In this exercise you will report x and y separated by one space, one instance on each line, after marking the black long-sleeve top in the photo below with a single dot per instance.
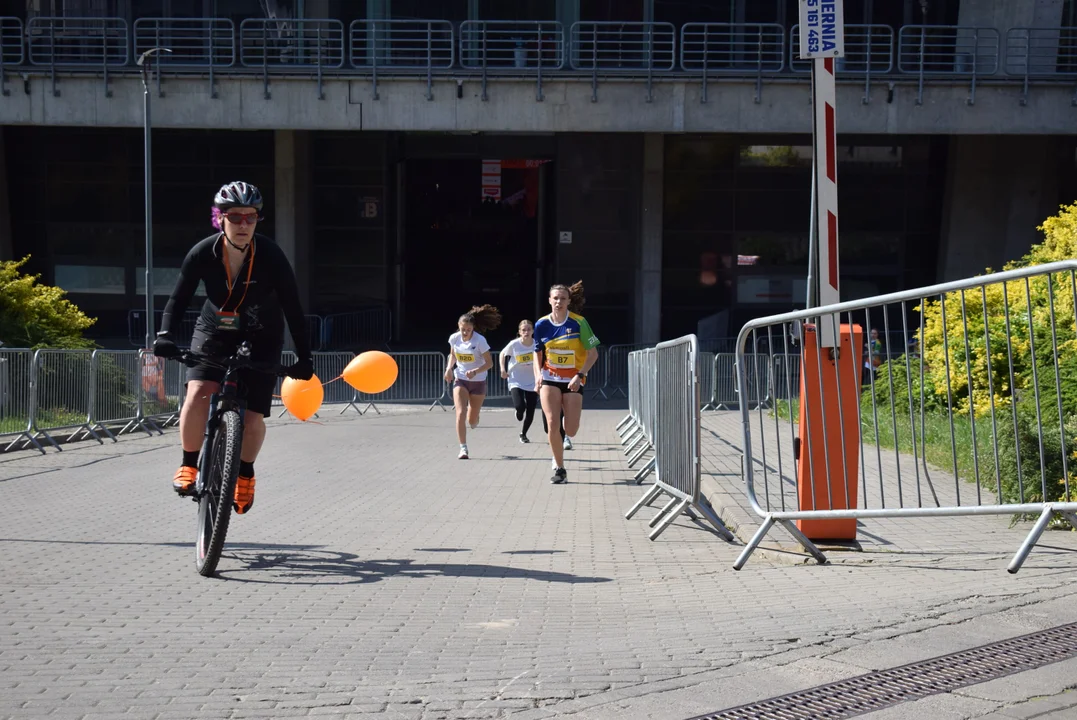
271 295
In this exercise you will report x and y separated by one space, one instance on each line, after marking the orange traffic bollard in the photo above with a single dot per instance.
829 420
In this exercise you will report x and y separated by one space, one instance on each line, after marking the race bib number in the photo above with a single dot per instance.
561 358
465 357
227 320
525 358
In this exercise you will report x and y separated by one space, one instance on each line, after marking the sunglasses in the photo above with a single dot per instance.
243 218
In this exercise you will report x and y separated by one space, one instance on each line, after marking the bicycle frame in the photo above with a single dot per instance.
227 398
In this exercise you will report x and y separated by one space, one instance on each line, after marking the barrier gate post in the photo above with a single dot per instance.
830 425
825 485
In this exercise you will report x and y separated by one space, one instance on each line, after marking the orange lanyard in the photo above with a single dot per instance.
228 274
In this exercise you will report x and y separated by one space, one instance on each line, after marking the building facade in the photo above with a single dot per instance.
421 156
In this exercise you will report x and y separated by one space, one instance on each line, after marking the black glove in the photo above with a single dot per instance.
302 370
165 347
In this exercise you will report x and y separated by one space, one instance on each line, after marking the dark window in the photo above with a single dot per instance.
454 10
518 10
611 10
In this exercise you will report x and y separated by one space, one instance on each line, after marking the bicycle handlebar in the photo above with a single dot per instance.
238 361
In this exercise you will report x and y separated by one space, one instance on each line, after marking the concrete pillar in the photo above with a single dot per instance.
291 204
998 190
7 241
649 275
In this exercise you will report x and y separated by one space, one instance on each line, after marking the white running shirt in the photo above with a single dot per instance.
468 355
521 364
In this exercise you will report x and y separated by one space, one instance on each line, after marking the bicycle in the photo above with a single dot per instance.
218 463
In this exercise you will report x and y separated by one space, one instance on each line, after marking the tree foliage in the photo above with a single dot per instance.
33 315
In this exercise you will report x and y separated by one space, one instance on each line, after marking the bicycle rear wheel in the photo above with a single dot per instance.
219 486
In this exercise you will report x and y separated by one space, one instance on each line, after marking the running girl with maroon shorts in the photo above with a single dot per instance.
469 360
565 350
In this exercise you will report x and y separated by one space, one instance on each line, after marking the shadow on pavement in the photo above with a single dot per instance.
309 564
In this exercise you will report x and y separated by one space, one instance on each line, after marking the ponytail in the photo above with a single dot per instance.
482 317
575 295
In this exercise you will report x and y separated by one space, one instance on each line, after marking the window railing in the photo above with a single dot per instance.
194 42
417 45
617 47
517 47
11 47
291 44
645 50
869 49
78 41
728 48
948 50
1042 52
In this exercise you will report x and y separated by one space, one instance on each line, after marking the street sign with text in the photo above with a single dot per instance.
822 29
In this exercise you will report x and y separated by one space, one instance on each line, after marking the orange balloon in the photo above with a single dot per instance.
371 372
302 397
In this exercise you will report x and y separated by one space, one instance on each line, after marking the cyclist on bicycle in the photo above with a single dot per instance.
250 290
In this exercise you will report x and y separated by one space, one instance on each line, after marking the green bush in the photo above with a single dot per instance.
37 316
1041 466
1029 328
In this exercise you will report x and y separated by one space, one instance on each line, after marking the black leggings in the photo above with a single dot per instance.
525 402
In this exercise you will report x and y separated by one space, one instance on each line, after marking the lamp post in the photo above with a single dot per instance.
144 62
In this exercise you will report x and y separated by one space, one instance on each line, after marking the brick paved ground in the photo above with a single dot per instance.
376 574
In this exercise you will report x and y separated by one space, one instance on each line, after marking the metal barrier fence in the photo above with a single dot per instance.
63 396
615 370
637 429
725 390
676 438
982 421
420 379
161 393
17 398
359 330
87 393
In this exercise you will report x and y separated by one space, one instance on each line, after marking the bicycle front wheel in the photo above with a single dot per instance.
219 486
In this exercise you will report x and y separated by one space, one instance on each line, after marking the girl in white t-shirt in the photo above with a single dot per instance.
519 356
469 360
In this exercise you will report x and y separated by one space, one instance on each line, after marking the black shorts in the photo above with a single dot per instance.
255 387
562 386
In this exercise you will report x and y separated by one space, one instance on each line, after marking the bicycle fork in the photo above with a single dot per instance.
213 424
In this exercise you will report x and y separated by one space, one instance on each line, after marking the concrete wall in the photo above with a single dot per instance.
784 106
998 191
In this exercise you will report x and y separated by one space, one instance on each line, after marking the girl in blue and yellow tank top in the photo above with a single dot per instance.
566 349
